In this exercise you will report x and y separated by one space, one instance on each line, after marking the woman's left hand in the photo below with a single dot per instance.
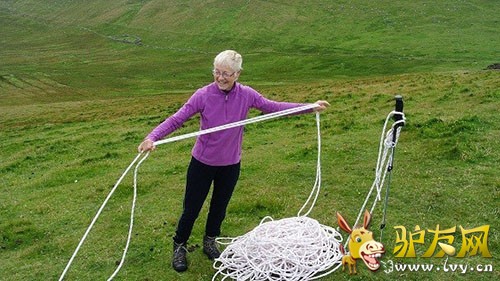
323 104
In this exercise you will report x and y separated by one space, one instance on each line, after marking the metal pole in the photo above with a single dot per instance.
397 117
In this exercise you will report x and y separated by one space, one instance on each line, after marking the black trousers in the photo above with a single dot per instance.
198 182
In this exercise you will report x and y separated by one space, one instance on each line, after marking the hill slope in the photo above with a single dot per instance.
150 46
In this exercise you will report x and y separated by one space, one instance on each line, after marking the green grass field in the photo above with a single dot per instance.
82 83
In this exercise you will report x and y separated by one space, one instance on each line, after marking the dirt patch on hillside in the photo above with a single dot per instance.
494 66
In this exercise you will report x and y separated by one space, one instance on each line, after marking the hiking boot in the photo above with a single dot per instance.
210 247
179 259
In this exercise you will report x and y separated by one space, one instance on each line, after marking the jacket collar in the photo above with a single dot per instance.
233 89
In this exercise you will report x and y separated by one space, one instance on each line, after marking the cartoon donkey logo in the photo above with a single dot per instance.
361 245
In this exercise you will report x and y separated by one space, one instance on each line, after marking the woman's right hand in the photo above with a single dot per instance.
146 145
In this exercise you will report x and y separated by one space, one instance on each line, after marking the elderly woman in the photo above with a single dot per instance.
216 156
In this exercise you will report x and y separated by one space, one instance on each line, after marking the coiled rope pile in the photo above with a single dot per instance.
297 248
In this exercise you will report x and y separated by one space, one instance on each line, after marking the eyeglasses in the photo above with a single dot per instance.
224 74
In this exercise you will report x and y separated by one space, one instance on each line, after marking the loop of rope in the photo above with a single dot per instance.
384 160
172 139
317 184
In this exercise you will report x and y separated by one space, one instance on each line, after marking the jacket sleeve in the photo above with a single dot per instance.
174 122
268 106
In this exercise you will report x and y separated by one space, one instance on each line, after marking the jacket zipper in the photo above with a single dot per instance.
225 106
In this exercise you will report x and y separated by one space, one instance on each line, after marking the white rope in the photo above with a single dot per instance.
100 210
383 161
239 123
131 225
317 183
172 139
297 248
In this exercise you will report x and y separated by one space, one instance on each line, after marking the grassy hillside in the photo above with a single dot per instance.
81 44
82 82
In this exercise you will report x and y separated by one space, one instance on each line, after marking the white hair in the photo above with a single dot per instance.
229 58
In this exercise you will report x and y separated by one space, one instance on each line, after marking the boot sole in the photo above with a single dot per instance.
180 268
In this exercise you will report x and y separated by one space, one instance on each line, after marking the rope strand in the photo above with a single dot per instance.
317 184
239 123
96 217
131 225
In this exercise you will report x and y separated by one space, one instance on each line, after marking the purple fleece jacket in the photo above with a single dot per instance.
217 108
